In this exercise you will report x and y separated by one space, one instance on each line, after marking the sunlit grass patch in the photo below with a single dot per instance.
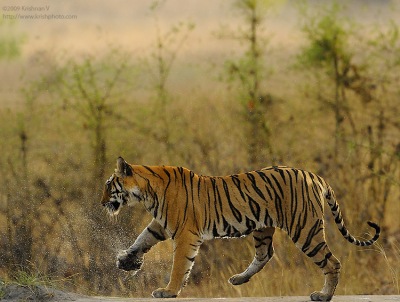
33 279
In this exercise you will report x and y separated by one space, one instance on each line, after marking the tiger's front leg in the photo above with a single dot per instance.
185 251
132 258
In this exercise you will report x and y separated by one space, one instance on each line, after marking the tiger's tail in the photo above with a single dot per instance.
337 214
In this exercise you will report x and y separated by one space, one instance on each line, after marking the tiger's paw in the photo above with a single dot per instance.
238 279
163 293
129 262
320 296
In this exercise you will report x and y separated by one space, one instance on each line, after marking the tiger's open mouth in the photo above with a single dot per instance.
112 207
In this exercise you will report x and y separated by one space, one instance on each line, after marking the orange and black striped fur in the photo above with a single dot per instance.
190 208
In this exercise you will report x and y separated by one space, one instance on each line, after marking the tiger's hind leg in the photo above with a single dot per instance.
315 247
264 253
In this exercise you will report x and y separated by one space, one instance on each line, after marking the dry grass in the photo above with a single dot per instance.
289 273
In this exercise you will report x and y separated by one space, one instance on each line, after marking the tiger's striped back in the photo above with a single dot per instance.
235 205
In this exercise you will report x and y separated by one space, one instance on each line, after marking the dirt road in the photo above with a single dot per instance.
41 293
259 299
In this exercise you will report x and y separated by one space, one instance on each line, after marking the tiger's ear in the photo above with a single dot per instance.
123 168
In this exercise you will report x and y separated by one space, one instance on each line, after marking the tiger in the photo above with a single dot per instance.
191 208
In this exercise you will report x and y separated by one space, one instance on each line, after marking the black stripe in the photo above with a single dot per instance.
215 231
299 226
265 179
271 186
152 171
198 187
254 185
260 245
316 249
262 239
165 193
324 261
159 237
303 192
328 195
269 192
217 198
279 211
181 221
192 175
208 217
267 219
296 172
281 172
236 212
236 182
166 172
306 197
293 203
174 233
334 207
278 185
254 207
313 231
185 216
156 205
317 191
250 224
166 215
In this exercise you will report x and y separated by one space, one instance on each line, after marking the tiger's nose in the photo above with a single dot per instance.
105 199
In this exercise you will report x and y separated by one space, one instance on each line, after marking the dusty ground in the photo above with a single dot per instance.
39 293
259 299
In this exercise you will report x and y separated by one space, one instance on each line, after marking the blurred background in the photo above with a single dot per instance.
219 87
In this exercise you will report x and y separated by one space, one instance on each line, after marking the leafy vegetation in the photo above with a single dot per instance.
249 72
336 114
10 44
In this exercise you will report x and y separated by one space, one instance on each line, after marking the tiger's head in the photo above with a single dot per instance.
121 188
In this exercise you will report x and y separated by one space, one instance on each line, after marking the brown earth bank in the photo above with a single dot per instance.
42 293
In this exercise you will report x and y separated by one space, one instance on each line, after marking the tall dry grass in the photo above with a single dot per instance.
70 226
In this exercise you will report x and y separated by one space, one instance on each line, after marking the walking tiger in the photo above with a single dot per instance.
190 209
